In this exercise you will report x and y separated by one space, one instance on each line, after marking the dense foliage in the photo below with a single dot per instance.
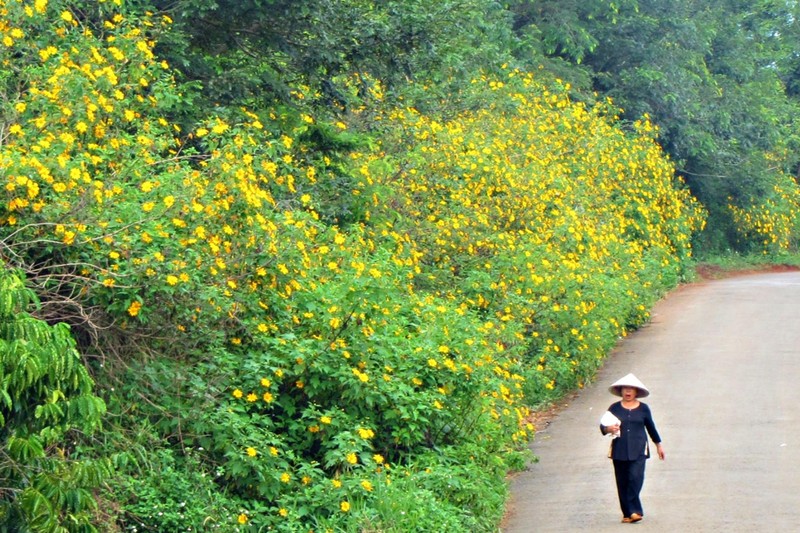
716 76
317 288
46 396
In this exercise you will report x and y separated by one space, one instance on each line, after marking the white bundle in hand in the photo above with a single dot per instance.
608 419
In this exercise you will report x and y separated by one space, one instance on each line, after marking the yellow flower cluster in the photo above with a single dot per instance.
540 201
773 221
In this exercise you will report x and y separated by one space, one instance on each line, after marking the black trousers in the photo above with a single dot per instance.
630 478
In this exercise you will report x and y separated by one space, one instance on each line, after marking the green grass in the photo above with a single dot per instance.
723 265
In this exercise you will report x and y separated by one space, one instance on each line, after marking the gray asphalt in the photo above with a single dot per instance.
722 362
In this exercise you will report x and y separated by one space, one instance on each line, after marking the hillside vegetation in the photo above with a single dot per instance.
301 312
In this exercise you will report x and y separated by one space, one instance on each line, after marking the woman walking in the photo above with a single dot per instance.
629 422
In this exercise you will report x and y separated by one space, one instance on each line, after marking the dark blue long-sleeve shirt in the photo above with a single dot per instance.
635 425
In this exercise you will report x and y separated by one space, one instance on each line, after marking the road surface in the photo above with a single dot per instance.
722 362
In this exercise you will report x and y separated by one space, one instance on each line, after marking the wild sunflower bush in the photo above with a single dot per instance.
331 339
770 224
544 217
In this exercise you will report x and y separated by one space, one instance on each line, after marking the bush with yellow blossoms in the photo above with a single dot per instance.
771 224
293 338
542 216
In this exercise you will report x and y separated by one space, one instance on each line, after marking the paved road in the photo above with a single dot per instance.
722 362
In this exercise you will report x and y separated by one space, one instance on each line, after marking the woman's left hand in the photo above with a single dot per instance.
660 450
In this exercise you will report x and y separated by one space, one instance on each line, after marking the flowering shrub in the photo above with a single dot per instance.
542 217
771 224
322 337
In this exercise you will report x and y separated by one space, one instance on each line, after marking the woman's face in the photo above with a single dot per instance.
628 393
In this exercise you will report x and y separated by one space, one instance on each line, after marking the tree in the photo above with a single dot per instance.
259 51
45 397
705 71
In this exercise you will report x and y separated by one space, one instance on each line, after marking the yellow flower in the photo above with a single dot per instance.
242 519
273 450
265 382
378 458
366 485
134 308
237 393
361 375
172 280
66 16
336 483
267 397
325 419
366 433
352 458
344 506
47 53
283 512
285 477
251 397
252 452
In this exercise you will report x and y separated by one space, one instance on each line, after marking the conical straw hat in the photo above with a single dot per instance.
629 381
